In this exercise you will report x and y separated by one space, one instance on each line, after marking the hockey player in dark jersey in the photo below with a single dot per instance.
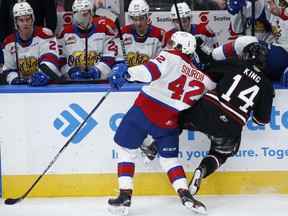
242 88
222 112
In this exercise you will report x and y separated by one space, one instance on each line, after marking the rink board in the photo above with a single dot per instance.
37 122
220 183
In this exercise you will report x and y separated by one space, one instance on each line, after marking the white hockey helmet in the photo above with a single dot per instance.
185 40
243 41
183 9
22 9
82 5
138 8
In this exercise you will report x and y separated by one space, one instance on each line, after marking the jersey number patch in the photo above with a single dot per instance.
177 86
246 95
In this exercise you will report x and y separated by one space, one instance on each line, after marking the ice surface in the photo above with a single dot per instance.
240 205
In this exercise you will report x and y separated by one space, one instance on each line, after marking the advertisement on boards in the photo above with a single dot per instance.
218 21
44 122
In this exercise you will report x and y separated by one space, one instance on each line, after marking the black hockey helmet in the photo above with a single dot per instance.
256 53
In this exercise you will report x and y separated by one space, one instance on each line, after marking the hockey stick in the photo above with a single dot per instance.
16 55
86 49
243 20
81 21
253 18
61 80
12 201
108 14
178 15
15 44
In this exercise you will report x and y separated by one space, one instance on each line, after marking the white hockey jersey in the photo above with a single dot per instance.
232 49
100 50
241 23
200 30
139 50
280 29
176 84
41 48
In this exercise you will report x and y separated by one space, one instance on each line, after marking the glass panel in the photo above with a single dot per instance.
158 5
164 5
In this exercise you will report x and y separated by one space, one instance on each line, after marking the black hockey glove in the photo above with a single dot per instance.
204 52
150 150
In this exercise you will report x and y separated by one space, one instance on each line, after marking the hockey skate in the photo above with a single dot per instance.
189 202
121 204
195 182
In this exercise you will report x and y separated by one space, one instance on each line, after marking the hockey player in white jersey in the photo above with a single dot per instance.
233 48
226 51
142 40
277 55
175 85
27 48
275 13
244 19
202 32
87 50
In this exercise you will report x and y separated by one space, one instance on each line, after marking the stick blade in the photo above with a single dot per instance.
61 80
106 13
51 73
11 201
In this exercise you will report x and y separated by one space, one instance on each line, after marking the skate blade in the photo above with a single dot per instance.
197 209
119 210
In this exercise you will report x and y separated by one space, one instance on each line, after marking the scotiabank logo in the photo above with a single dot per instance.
232 36
67 18
204 17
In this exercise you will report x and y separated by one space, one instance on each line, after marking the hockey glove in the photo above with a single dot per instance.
118 76
76 73
39 79
19 81
150 150
93 73
234 6
203 52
